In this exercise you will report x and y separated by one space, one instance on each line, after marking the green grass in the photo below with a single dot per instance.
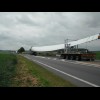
45 78
17 71
7 68
98 55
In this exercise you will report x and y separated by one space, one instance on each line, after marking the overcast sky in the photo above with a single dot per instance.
26 29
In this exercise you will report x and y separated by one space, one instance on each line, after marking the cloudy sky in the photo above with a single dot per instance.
26 29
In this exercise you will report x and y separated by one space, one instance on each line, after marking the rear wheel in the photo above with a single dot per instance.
78 58
92 59
88 59
71 58
66 57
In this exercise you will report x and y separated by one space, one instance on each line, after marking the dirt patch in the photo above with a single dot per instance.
26 81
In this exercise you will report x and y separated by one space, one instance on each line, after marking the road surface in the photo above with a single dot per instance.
79 73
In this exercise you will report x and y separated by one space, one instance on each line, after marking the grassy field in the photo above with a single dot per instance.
17 71
7 68
98 55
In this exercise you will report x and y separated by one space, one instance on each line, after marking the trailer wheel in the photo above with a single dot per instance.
88 59
78 58
71 58
92 59
66 57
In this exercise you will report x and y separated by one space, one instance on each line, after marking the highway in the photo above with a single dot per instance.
81 74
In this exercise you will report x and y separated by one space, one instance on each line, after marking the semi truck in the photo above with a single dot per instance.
78 54
75 53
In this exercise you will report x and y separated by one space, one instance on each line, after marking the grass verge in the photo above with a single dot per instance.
32 74
17 71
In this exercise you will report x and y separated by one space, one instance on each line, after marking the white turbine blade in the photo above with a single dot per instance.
88 39
62 46
48 48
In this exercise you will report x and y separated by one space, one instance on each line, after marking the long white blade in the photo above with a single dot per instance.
62 46
88 39
48 48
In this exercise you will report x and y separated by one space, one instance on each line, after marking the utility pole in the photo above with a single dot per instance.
66 45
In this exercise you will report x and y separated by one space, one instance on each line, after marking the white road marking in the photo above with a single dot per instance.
83 63
73 62
88 63
89 83
42 57
55 59
63 60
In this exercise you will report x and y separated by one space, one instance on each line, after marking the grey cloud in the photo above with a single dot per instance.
26 20
47 28
92 20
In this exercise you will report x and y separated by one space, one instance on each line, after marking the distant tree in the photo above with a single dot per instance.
21 50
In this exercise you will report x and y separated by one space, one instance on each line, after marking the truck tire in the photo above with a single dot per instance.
67 57
71 58
88 59
92 59
78 58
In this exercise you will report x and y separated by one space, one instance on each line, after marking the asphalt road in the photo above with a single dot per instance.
79 73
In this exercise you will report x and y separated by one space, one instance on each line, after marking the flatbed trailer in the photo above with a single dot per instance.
79 57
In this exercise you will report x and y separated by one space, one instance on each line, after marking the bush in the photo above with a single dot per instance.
21 50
